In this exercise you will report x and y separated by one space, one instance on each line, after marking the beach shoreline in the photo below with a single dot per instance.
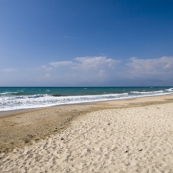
11 112
120 127
40 123
18 98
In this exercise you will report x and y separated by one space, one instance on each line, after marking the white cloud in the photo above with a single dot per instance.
95 61
46 68
152 67
9 70
60 63
95 69
101 73
89 68
86 63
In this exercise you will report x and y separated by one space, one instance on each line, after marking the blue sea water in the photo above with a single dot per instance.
14 98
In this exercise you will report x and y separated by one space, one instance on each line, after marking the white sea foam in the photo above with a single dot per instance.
147 92
43 100
8 93
169 90
14 102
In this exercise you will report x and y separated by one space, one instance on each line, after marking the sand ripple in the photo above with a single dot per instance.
131 140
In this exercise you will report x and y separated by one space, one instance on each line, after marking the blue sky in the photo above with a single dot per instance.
86 42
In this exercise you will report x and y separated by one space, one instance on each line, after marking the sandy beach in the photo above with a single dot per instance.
133 135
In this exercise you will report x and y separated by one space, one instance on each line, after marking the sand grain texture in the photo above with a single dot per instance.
135 139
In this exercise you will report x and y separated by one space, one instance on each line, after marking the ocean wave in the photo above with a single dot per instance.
169 90
8 93
44 100
147 92
14 102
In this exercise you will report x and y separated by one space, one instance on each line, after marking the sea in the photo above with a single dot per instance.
16 98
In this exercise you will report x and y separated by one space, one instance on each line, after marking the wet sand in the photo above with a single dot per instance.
133 135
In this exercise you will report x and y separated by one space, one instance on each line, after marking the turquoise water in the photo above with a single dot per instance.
13 98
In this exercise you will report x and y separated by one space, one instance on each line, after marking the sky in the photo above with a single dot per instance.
86 43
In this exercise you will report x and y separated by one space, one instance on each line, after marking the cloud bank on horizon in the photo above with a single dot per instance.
86 43
99 70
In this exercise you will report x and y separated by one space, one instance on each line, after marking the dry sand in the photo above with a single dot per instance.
118 136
